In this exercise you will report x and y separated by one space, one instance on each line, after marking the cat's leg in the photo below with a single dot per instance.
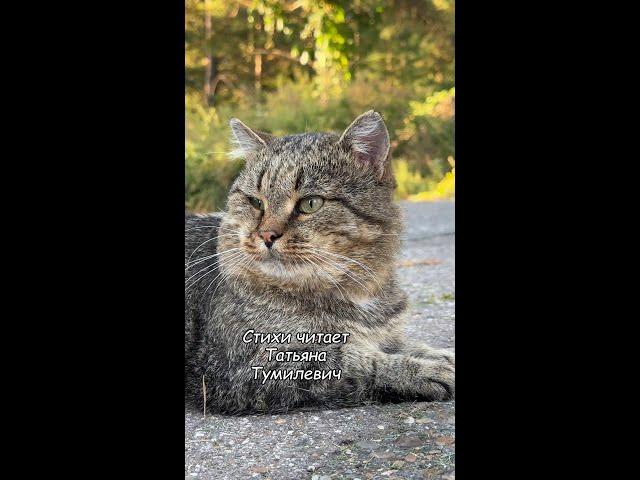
278 386
398 374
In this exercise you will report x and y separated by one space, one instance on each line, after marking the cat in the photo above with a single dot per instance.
291 299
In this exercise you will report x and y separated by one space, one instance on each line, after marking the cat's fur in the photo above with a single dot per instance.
331 271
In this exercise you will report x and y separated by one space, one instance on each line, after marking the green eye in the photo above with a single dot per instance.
310 204
257 203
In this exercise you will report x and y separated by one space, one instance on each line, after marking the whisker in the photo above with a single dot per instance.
188 265
215 264
345 270
200 227
328 275
349 259
213 226
237 260
346 258
202 259
233 269
197 261
208 267
229 229
363 311
210 240
237 269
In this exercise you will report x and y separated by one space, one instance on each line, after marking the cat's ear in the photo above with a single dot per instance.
367 138
246 141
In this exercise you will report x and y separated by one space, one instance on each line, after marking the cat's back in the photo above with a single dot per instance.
200 228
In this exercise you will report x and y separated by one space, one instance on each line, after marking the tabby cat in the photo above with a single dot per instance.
291 298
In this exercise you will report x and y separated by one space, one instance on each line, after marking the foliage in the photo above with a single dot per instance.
289 66
442 190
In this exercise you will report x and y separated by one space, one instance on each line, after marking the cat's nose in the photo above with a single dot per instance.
270 237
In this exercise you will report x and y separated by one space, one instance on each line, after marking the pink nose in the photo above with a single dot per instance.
270 237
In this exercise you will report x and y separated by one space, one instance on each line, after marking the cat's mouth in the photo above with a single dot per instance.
278 263
274 265
274 255
271 258
277 260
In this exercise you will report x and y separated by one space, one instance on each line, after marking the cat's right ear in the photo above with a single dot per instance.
246 141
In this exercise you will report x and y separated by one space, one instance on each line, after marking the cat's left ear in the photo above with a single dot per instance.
368 139
246 141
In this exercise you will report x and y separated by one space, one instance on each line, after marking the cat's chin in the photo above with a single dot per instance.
276 268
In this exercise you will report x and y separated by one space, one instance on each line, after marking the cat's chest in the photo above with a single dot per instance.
253 327
272 315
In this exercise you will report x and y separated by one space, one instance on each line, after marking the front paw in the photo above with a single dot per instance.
445 355
428 353
437 377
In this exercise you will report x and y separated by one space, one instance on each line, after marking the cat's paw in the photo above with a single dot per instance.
428 353
447 355
437 376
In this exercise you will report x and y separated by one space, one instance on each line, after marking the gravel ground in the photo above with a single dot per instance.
406 440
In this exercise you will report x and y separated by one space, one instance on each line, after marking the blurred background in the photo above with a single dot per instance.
290 66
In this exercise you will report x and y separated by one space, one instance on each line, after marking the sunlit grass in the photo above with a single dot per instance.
209 172
444 190
415 187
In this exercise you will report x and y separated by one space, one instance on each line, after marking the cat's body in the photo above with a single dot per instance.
276 263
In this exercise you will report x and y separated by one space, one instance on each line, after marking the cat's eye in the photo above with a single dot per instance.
256 203
310 204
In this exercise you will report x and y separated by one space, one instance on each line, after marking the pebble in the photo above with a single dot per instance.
397 464
409 420
380 427
410 458
407 441
366 445
383 455
446 440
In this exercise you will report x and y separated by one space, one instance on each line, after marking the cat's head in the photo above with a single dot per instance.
313 211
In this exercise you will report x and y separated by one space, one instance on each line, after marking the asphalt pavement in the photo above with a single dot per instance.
391 441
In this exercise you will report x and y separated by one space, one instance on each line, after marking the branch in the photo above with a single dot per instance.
280 53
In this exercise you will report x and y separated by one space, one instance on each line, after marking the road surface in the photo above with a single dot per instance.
407 440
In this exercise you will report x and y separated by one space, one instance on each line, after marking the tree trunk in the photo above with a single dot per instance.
257 57
208 49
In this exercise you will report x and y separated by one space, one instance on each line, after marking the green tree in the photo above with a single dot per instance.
292 65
